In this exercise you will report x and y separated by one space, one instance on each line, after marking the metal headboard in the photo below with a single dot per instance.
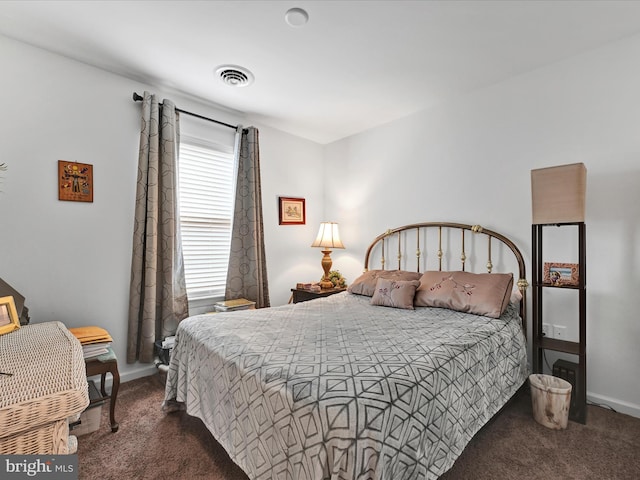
398 239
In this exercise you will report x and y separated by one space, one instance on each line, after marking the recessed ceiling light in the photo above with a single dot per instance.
296 17
234 76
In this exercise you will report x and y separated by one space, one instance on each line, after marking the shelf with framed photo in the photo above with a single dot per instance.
558 202
548 275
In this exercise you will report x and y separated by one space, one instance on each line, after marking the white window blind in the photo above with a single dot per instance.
206 189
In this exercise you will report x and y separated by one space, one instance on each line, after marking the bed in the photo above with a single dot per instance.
388 380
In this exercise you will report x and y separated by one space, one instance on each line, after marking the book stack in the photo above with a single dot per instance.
233 305
95 341
312 287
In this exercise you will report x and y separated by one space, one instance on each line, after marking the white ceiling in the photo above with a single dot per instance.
353 66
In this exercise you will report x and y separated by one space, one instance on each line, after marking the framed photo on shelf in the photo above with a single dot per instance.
292 211
9 320
561 274
75 181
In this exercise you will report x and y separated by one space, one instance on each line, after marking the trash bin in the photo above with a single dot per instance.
164 354
550 399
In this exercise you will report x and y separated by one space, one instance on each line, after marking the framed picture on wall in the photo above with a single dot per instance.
75 181
292 211
9 320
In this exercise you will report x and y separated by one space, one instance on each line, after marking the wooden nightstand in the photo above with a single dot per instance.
300 295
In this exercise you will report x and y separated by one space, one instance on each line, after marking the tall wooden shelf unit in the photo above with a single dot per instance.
540 342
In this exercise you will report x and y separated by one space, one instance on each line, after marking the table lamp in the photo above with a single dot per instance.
328 237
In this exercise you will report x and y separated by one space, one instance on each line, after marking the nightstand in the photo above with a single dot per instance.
300 295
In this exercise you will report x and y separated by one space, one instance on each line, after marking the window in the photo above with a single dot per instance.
206 190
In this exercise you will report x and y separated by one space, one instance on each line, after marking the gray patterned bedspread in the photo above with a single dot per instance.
339 389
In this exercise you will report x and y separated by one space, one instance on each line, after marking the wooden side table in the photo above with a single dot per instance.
101 365
301 295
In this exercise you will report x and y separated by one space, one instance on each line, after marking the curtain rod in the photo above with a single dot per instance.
139 98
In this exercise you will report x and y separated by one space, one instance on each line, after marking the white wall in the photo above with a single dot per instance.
72 260
290 167
470 161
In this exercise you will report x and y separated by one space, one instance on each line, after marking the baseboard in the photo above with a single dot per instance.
139 373
618 405
145 371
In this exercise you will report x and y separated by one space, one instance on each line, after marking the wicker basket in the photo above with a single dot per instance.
47 385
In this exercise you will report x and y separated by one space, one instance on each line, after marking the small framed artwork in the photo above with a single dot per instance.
561 274
9 320
75 181
292 211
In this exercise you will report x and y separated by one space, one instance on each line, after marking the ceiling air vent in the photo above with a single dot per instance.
234 76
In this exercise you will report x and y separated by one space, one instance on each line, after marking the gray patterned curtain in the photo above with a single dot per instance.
247 273
157 296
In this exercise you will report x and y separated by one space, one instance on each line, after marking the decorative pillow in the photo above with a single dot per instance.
365 284
395 293
485 294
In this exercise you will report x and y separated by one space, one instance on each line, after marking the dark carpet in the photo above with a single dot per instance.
153 445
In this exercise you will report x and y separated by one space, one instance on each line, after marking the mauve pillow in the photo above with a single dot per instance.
485 294
365 284
395 293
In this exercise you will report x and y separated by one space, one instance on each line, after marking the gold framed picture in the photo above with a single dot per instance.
9 320
561 274
292 211
75 181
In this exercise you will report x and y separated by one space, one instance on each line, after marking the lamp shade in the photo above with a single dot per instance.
558 194
328 236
